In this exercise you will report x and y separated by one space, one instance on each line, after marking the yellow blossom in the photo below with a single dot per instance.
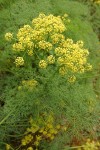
56 38
30 52
38 138
81 69
58 126
65 15
60 60
17 47
51 59
62 71
29 148
49 135
49 126
88 67
72 79
42 64
45 45
52 131
27 139
60 51
52 137
19 87
44 132
29 84
41 130
90 145
36 143
19 61
50 23
23 142
32 129
80 43
8 36
64 128
8 147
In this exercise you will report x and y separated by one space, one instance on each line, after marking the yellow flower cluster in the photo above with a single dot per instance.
28 84
51 24
18 47
42 64
45 43
51 59
36 133
24 38
73 56
29 39
90 145
30 52
8 147
56 38
19 61
8 36
27 139
91 104
62 70
72 79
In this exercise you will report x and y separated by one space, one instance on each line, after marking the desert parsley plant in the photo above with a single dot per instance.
47 73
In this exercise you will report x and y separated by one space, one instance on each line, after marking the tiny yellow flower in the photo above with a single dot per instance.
19 61
58 126
44 132
64 128
60 60
62 71
8 147
23 142
38 138
89 67
30 52
51 59
52 131
41 130
65 15
72 79
8 36
27 139
52 137
49 135
42 64
19 87
49 126
36 143
55 132
29 148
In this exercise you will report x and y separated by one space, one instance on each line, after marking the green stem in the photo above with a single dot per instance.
37 55
75 147
5 118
